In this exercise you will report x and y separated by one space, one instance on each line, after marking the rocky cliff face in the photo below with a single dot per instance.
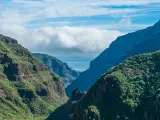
59 67
63 112
27 87
142 41
129 91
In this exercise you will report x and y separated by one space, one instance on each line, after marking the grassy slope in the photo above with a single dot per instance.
129 91
59 67
27 87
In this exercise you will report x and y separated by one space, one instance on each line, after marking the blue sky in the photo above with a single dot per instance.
70 29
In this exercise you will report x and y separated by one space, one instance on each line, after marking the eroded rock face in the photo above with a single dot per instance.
12 72
26 94
77 95
8 40
56 86
1 91
64 112
42 92
5 59
27 86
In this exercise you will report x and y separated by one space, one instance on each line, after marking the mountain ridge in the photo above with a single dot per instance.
128 91
59 67
119 50
27 87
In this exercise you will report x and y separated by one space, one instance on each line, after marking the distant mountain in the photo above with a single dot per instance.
129 91
27 87
59 67
142 41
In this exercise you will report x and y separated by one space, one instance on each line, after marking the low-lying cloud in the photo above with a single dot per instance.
63 40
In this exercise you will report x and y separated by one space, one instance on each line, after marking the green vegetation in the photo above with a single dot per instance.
131 44
60 68
129 91
93 112
28 90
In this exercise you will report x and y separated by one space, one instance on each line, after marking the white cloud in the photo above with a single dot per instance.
70 8
62 40
124 25
9 17
26 11
20 14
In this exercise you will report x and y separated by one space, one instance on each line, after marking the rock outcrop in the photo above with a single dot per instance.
27 87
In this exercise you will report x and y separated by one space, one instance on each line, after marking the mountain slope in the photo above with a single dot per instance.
27 87
59 67
142 41
63 112
129 91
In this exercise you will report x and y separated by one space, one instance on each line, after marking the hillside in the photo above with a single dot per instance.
129 91
142 41
59 67
63 112
27 87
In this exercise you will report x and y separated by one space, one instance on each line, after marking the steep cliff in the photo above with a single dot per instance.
27 87
59 67
129 91
63 112
142 41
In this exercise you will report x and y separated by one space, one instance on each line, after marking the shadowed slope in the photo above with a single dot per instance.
142 41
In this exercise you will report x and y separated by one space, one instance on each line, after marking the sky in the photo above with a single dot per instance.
75 31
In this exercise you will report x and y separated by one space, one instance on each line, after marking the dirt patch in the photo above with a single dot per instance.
2 76
1 91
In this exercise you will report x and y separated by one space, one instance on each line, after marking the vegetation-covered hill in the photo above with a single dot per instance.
129 91
59 67
63 112
27 87
142 41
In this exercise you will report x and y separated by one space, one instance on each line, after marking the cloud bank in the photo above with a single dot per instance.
62 40
50 25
